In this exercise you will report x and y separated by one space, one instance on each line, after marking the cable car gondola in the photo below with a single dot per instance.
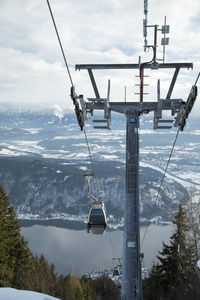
116 271
97 222
117 268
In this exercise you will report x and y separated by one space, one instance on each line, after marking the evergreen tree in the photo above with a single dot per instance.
19 268
44 276
74 287
24 265
61 287
193 209
174 258
106 289
87 291
152 289
53 281
10 238
172 277
87 288
16 259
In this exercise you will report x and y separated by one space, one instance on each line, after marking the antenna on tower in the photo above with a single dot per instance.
145 24
164 41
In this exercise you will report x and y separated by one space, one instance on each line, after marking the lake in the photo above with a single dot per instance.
67 248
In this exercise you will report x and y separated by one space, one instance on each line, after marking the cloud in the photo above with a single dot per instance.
32 70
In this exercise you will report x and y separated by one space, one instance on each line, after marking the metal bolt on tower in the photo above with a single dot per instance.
131 261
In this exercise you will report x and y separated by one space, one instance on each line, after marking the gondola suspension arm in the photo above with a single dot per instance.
87 177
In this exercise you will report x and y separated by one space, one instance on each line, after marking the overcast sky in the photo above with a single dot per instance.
32 70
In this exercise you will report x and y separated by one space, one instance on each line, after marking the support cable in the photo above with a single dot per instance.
91 161
111 244
59 40
155 202
94 175
70 77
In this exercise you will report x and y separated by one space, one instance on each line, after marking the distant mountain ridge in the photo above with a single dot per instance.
43 157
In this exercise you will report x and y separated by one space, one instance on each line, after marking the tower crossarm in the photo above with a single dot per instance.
133 66
99 103
139 107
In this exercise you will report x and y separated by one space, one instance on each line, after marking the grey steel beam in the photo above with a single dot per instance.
164 127
106 66
140 107
93 83
100 127
166 121
99 121
173 82
132 66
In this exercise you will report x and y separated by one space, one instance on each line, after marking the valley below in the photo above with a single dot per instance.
44 157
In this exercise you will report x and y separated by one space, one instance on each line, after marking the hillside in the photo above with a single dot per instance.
43 157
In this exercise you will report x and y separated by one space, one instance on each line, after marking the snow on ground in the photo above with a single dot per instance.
13 294
198 264
185 180
110 157
83 168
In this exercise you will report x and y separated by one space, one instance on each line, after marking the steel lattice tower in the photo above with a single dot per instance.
131 261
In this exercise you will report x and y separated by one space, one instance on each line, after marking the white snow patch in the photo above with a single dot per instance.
179 180
33 130
58 112
68 163
83 168
197 132
198 264
109 157
82 155
67 137
13 294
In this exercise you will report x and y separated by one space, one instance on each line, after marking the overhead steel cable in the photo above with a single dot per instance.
70 77
91 161
86 139
59 40
164 174
111 244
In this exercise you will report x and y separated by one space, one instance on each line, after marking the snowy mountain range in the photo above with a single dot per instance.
44 157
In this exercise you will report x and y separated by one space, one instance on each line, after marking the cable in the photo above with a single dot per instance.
66 64
111 244
61 47
160 187
91 161
70 77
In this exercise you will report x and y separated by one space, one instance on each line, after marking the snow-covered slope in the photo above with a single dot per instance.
43 157
13 294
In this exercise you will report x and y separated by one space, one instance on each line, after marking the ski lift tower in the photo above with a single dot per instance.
131 266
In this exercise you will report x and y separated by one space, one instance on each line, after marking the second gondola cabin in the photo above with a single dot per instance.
97 222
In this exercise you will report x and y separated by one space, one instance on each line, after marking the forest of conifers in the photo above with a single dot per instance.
20 269
174 276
